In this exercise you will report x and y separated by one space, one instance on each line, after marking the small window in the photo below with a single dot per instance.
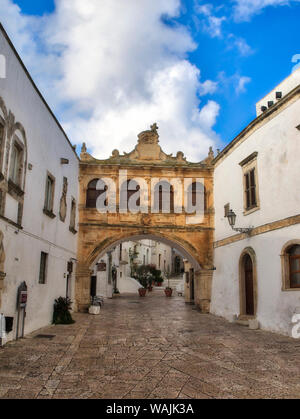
15 164
290 259
49 194
163 197
197 192
294 265
43 268
93 193
251 195
250 190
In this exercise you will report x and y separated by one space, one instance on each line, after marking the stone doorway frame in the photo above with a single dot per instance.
242 291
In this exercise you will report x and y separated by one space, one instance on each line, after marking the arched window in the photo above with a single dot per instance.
17 161
197 195
291 265
128 189
164 197
294 262
93 193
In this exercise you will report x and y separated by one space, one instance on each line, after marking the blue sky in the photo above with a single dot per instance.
197 67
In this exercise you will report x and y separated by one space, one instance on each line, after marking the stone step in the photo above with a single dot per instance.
242 322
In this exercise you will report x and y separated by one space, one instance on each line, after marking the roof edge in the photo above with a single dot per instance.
253 124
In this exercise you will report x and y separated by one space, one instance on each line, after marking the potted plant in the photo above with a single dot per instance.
144 277
142 292
61 314
156 277
168 290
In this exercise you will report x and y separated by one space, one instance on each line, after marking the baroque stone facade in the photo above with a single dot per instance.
99 232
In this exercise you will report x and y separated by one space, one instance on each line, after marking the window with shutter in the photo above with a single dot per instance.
251 198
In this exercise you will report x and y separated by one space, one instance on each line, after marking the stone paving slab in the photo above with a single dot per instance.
151 347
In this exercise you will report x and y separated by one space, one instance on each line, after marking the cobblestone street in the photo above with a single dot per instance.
150 348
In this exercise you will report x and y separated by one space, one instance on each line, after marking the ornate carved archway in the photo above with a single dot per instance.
99 232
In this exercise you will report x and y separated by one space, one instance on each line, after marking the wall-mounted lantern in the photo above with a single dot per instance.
232 219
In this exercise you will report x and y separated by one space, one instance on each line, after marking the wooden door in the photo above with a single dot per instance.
249 285
93 286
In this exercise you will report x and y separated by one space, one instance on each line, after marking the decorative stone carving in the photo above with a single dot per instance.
63 201
146 151
115 154
146 220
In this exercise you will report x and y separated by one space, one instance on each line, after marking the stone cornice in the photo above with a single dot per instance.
266 228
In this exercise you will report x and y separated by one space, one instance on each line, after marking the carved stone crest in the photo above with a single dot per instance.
63 201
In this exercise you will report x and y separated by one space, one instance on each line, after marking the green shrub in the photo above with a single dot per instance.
61 314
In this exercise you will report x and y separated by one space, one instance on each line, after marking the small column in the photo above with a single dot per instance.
109 289
83 288
203 287
187 284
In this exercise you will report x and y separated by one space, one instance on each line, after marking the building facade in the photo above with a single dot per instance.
257 177
38 200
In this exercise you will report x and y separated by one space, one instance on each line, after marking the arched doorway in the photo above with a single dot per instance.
248 283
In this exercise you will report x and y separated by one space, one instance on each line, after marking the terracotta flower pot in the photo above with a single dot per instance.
142 292
168 292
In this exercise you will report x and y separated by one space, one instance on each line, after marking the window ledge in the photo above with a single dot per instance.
72 230
49 213
12 187
18 226
290 289
251 211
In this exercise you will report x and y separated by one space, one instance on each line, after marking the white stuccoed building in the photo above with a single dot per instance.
257 177
38 198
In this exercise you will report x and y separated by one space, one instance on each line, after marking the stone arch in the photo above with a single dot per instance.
248 251
92 250
186 249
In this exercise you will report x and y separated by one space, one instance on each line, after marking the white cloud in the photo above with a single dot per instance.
111 70
242 81
243 47
211 24
245 9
